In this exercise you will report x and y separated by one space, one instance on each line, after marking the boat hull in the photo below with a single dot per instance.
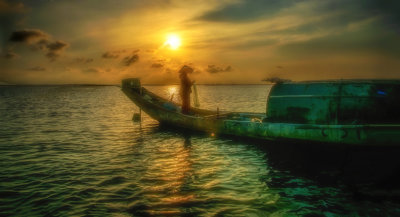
257 126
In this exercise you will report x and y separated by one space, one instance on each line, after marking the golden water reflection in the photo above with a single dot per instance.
167 176
172 93
74 151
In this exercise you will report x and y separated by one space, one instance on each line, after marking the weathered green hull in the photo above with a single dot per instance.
268 127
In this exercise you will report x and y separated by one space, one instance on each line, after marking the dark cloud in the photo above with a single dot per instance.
57 46
27 35
54 49
361 9
39 40
40 45
247 10
157 65
110 55
115 54
129 60
37 68
84 60
11 15
372 39
216 69
347 11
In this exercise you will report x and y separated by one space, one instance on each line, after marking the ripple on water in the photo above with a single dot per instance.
113 181
74 151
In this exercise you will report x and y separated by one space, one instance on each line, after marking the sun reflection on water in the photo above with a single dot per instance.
172 93
75 151
168 174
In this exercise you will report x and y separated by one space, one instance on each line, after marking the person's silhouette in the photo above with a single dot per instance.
185 88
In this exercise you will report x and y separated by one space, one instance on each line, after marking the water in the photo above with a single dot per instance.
74 151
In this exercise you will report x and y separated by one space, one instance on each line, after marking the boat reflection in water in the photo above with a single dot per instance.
199 174
364 172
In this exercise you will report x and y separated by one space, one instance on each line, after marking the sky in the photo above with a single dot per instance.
225 41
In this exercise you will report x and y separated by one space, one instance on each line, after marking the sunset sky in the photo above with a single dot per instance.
225 41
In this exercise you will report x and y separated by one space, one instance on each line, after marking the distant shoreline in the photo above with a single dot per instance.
20 85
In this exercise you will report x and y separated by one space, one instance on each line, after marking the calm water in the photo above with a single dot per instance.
74 151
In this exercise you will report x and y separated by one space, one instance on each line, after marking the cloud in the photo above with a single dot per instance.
370 39
27 35
290 31
110 55
254 10
115 54
54 49
168 71
52 56
40 45
57 46
247 10
84 60
8 7
296 25
129 60
11 15
37 68
157 65
10 55
253 43
39 40
216 69
361 9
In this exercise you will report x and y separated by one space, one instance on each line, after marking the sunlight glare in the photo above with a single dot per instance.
172 91
173 41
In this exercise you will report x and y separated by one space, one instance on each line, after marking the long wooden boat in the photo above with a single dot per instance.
349 112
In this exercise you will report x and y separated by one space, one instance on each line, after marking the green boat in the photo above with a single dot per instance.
348 112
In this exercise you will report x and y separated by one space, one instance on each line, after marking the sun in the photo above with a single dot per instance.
173 41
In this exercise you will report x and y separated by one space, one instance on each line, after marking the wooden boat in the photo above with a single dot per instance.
350 112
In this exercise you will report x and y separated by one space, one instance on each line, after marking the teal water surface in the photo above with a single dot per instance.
74 151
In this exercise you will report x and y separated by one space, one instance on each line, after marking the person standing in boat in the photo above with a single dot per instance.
185 88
